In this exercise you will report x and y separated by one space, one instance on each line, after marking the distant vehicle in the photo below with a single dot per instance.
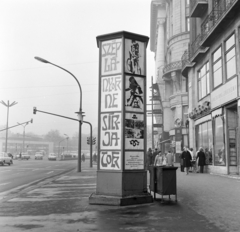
52 156
10 155
38 155
25 155
5 159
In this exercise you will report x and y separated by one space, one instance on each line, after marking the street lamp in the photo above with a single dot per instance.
7 105
24 132
80 109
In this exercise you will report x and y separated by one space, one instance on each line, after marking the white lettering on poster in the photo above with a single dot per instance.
134 160
110 160
111 97
110 131
111 56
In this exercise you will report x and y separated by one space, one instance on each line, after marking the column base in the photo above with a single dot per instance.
95 199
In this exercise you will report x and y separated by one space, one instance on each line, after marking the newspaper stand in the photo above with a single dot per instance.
163 180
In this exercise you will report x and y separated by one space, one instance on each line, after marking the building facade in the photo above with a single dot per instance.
211 65
169 38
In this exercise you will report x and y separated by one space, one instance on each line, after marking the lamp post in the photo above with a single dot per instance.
80 109
59 146
7 105
24 125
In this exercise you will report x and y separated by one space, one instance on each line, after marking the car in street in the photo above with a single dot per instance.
25 155
5 159
52 156
38 156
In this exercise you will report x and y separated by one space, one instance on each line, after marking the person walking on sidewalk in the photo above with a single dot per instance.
186 156
181 162
201 159
158 160
149 158
155 153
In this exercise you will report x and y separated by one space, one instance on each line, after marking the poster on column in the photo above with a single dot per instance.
110 160
134 91
134 160
111 94
134 131
134 57
110 131
111 57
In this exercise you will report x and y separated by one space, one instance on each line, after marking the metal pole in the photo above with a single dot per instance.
80 109
152 117
24 138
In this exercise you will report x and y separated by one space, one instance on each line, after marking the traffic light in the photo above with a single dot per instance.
34 110
94 141
88 140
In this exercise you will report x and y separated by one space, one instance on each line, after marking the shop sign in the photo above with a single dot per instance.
200 110
224 94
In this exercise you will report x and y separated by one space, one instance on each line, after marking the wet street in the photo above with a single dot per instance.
205 203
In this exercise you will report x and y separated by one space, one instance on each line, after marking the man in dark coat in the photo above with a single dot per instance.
186 156
201 159
154 155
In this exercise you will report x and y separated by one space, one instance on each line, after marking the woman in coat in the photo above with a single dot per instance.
186 156
201 159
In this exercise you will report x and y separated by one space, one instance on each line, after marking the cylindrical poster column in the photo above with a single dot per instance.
121 175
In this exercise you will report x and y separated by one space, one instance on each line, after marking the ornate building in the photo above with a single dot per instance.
211 65
169 38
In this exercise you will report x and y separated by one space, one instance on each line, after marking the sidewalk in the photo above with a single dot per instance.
62 205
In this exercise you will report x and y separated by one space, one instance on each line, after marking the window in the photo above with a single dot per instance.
203 81
230 56
217 68
204 139
219 148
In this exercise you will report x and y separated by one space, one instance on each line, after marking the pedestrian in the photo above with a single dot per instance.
158 159
164 159
169 158
149 158
181 162
83 157
201 159
186 156
94 157
155 153
191 152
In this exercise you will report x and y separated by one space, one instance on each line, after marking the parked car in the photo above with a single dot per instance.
38 155
52 156
5 159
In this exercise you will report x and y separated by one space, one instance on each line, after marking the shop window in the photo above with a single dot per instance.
230 57
187 24
217 68
219 147
204 140
203 81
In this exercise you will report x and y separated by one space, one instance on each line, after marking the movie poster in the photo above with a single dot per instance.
134 57
134 95
134 131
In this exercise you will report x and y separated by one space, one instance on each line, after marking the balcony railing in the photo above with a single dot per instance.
172 67
215 15
212 19
186 58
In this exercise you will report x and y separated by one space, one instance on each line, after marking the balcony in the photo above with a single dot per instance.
198 8
174 66
213 24
186 63
219 17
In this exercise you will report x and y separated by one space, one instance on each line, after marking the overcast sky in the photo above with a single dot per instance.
63 32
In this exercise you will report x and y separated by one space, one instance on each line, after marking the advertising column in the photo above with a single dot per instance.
121 174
